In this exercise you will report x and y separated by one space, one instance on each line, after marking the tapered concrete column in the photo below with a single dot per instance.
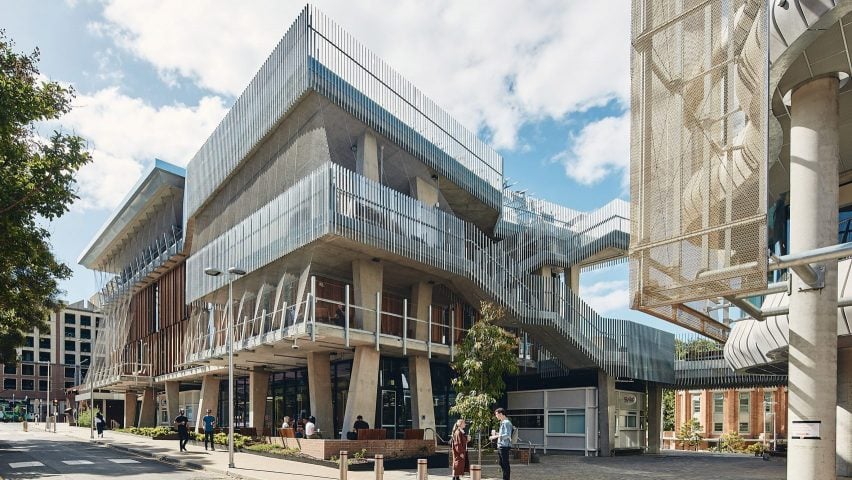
367 277
258 388
209 398
655 417
363 387
319 389
572 276
606 413
172 399
422 402
367 157
814 155
421 298
426 191
148 411
129 410
844 412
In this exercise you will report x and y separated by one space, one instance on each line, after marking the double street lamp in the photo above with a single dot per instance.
234 271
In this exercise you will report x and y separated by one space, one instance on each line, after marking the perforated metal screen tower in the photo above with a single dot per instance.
698 154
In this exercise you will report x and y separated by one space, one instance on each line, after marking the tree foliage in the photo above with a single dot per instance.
668 410
689 433
487 354
36 182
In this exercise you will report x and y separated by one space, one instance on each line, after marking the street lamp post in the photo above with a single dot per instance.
234 271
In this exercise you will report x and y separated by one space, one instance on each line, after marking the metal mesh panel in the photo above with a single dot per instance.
698 150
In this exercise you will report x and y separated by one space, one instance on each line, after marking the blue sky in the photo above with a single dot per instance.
538 81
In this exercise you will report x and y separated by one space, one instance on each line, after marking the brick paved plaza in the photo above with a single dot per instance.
658 467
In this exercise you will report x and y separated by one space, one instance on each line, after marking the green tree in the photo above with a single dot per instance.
36 184
668 410
487 354
690 433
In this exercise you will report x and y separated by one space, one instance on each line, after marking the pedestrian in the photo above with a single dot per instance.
459 463
99 424
285 423
311 428
209 421
183 433
504 441
360 424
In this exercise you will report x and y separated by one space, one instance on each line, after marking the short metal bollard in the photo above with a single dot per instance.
344 464
25 425
379 467
476 472
422 474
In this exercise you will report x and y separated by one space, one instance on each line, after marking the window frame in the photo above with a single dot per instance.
565 413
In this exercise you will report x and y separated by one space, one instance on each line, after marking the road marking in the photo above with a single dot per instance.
122 460
76 462
26 464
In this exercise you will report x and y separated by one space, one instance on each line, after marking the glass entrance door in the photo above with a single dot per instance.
389 412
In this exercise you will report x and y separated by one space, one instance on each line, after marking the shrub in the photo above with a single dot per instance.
690 434
84 419
757 448
732 442
270 448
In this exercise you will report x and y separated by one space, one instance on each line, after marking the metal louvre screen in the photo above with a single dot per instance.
698 150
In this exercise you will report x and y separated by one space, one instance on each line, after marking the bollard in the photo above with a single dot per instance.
26 426
475 472
422 474
380 467
344 464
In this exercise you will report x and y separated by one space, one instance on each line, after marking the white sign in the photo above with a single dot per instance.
629 399
805 429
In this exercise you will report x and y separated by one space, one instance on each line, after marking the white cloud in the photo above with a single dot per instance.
125 134
602 148
607 296
493 66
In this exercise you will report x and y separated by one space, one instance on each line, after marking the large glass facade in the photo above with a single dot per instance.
287 397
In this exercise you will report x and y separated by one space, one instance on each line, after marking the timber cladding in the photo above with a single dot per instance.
158 322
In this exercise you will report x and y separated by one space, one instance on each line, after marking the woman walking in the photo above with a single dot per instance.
460 463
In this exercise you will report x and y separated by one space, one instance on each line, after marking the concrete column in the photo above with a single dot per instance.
606 413
367 277
172 399
655 417
367 158
319 390
814 155
129 410
363 387
148 411
426 191
258 388
209 398
421 298
572 277
844 412
422 403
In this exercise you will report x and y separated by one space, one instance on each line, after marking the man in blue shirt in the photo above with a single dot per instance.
504 441
209 421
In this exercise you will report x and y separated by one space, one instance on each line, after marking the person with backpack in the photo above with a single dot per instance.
99 424
504 441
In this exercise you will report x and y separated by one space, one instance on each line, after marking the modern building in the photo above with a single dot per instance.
756 108
350 228
52 362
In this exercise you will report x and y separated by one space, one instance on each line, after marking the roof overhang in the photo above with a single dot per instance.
159 179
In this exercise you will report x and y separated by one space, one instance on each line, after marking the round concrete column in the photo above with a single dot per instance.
814 155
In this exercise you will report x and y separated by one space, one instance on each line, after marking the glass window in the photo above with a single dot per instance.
570 421
85 333
85 320
85 359
42 385
43 356
10 384
718 412
69 385
42 370
85 347
70 319
97 322
29 341
745 412
28 370
768 412
69 372
43 342
70 332
27 356
70 345
27 385
70 359
630 420
10 369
